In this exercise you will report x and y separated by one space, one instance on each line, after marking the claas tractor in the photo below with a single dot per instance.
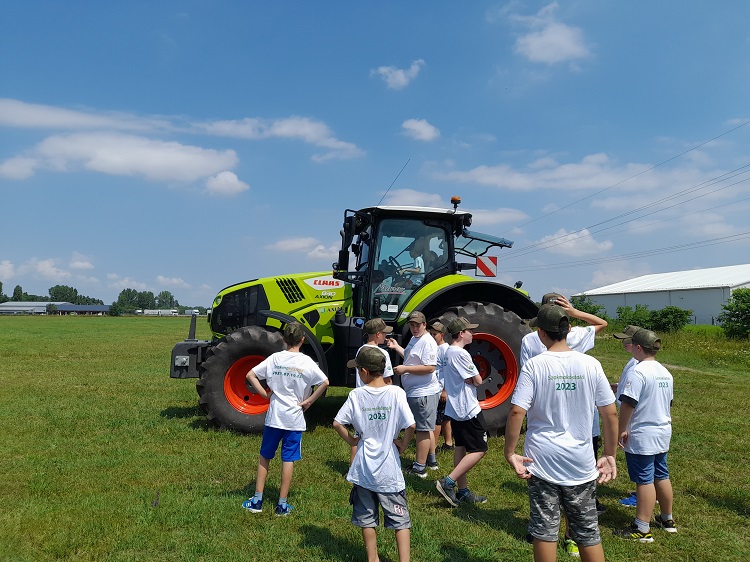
375 276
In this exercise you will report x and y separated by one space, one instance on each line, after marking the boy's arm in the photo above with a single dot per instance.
414 369
403 443
606 464
344 434
512 434
591 319
626 412
252 378
393 344
305 404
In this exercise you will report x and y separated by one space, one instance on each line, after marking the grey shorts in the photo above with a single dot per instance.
579 503
424 409
365 511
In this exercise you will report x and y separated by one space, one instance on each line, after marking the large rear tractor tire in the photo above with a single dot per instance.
496 350
224 395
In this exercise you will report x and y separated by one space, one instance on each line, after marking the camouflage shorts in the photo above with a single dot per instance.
579 503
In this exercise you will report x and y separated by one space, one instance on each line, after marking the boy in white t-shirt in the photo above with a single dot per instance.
645 434
290 375
376 330
559 390
378 412
461 379
422 389
442 423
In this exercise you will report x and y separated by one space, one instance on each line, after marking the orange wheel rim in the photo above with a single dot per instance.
497 366
237 391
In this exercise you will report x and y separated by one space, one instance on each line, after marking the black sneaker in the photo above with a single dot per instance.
471 497
433 465
665 524
445 447
412 471
634 534
448 492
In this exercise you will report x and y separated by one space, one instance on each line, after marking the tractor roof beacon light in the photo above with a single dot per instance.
455 201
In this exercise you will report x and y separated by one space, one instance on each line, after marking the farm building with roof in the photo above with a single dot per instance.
16 307
703 291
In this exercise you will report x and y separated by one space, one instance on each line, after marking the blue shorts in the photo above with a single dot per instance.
291 444
644 469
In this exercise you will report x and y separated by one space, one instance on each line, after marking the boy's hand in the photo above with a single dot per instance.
400 445
607 469
517 462
305 404
623 439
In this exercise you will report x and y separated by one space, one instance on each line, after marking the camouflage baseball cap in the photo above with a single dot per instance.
369 358
416 316
647 339
459 324
549 297
437 326
627 333
549 318
375 325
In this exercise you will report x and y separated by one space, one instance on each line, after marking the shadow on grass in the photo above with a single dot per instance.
332 546
323 411
733 500
453 553
175 412
340 467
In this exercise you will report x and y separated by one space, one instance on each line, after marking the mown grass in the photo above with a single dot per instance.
106 458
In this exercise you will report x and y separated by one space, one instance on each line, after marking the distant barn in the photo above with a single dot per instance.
14 307
703 291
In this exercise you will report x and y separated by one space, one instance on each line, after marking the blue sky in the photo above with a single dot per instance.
186 146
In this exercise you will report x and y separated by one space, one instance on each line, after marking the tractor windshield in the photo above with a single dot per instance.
405 252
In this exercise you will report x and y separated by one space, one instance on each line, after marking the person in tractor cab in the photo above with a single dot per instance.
290 375
422 389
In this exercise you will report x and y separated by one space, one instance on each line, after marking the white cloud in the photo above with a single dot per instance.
128 155
226 183
121 283
502 216
410 197
43 269
294 245
16 113
617 273
79 261
398 78
575 244
548 41
172 282
321 252
307 130
18 168
7 270
420 129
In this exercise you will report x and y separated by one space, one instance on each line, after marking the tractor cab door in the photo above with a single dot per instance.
406 253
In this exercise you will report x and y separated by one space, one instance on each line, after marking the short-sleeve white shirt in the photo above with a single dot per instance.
650 427
442 348
378 415
579 338
629 365
560 391
388 367
420 351
291 376
462 403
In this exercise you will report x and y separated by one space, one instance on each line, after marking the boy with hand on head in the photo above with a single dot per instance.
645 433
290 375
559 390
378 412
422 389
461 379
442 423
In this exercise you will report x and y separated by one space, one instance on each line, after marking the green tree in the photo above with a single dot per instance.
146 299
17 294
116 309
51 308
670 319
585 304
3 298
127 300
165 299
735 315
638 317
63 293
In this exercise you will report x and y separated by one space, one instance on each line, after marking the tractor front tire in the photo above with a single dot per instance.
224 395
496 351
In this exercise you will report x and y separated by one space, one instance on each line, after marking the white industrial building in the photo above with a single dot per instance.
703 291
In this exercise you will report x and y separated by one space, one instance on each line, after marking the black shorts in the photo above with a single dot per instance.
471 434
440 413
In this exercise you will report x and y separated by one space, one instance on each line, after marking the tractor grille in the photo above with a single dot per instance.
290 289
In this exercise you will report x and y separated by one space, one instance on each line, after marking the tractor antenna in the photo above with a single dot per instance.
394 181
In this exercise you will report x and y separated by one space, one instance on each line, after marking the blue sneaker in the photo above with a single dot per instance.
253 506
284 510
629 501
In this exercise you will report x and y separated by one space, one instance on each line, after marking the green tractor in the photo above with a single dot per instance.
374 277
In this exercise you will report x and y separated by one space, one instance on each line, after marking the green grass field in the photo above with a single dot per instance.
104 457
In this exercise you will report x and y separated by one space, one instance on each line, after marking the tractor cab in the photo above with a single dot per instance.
398 250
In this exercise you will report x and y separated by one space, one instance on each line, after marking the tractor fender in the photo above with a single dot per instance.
310 338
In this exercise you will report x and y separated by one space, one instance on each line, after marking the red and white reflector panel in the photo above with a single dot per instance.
486 266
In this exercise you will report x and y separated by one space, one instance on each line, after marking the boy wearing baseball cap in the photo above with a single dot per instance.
462 407
422 389
378 412
559 390
377 330
442 423
290 375
645 433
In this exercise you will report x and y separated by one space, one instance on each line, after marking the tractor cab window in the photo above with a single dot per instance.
405 251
